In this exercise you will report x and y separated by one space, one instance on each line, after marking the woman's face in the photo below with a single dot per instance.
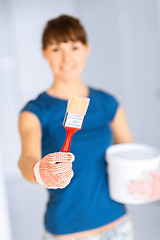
66 60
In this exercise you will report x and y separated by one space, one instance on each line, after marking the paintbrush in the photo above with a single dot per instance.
74 117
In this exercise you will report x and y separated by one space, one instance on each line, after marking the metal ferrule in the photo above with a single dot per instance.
73 120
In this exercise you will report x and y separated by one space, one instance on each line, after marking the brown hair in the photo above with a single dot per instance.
63 29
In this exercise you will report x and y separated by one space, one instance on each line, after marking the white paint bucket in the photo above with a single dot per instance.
127 162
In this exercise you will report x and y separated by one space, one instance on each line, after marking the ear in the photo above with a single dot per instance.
44 53
87 50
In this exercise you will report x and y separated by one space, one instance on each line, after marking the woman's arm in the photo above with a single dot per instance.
149 188
120 128
30 133
46 171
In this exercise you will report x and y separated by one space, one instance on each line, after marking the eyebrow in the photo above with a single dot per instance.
71 43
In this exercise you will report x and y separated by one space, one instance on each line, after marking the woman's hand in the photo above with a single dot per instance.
147 189
54 170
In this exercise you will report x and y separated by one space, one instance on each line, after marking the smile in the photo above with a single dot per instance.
67 68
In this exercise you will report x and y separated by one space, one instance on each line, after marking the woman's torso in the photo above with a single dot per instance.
85 203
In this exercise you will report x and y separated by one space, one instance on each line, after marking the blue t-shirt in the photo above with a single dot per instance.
85 203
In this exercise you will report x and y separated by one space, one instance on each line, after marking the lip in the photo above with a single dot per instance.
66 68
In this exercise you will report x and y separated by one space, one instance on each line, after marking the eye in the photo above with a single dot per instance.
56 49
75 48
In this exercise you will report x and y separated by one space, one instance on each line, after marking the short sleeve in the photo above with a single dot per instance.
35 108
112 106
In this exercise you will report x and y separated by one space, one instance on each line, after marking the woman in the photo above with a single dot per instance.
79 206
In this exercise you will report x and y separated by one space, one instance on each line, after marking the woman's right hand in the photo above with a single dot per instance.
54 170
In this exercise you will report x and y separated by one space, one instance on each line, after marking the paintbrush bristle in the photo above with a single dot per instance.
78 105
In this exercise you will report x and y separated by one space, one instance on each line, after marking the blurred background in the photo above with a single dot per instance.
124 36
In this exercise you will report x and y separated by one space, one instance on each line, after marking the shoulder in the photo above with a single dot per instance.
104 95
35 107
38 101
108 101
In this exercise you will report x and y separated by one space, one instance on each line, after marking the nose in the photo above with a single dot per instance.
66 56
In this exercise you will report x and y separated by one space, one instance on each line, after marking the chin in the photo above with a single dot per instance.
70 77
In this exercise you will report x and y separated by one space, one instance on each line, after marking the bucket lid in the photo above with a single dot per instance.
132 152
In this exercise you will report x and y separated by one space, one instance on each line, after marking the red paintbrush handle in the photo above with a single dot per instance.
67 143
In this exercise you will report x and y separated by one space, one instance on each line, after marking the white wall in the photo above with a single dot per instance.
5 228
125 51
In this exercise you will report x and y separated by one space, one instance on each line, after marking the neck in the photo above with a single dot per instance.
65 89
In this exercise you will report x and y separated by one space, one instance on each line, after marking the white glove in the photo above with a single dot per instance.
54 170
148 188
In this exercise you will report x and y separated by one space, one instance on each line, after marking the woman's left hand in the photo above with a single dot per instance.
146 189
